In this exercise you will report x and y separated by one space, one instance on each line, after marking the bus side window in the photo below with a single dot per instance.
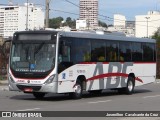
64 58
66 51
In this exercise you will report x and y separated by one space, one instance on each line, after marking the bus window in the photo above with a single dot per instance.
111 51
148 52
136 52
98 51
81 50
125 51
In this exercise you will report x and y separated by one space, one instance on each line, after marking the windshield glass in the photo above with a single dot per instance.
32 57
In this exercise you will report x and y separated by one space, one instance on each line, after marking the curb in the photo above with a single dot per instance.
4 85
3 82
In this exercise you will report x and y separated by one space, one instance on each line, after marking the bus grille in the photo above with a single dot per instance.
35 88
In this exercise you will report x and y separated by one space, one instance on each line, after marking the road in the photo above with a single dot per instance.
145 98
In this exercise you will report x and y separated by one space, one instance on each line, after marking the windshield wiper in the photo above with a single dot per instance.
39 48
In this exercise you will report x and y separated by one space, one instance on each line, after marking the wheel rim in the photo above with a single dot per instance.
77 89
130 85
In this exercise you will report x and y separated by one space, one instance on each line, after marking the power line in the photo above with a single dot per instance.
64 12
71 3
105 17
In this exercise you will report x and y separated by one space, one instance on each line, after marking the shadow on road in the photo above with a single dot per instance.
65 97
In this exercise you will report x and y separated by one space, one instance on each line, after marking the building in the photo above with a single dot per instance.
81 24
20 18
119 21
147 25
122 25
89 12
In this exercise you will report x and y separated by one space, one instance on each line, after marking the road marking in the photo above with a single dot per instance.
29 109
99 102
151 96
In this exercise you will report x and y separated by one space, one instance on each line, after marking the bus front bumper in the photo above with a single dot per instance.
29 88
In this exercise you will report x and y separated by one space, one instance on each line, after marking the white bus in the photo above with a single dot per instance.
44 62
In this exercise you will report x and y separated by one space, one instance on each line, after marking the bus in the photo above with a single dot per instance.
46 61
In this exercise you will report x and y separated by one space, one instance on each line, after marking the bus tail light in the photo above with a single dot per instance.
50 79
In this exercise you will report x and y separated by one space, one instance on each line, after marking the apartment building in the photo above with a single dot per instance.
89 12
20 18
147 25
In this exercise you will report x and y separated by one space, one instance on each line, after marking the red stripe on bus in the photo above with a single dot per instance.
119 62
111 75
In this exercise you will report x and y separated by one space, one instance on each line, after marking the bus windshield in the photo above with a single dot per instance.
32 57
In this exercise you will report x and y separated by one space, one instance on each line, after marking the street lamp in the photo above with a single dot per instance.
147 25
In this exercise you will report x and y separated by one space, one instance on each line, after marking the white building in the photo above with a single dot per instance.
14 18
119 21
81 24
147 25
122 25
89 11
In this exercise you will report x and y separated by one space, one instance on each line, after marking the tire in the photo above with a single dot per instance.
130 85
38 95
78 91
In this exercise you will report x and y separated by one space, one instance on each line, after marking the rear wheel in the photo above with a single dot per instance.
129 89
77 94
130 85
38 95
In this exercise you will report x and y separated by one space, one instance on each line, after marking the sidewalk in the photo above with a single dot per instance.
4 85
3 82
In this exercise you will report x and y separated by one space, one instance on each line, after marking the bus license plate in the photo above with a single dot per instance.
28 90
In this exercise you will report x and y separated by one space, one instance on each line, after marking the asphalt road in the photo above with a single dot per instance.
145 98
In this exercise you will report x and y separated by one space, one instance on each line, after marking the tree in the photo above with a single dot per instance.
71 23
55 22
157 37
103 24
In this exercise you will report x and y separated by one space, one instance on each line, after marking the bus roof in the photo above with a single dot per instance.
107 36
92 35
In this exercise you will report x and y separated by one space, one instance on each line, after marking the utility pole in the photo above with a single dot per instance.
147 25
47 14
27 17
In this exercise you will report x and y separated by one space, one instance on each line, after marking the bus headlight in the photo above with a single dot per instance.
50 79
11 79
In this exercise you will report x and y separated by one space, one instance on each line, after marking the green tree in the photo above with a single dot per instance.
55 22
157 37
71 23
103 24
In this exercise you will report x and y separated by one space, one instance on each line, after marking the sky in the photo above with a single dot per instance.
128 8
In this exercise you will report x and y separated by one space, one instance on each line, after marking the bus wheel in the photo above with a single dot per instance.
130 85
38 95
77 94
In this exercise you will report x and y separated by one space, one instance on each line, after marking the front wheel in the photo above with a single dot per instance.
77 94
